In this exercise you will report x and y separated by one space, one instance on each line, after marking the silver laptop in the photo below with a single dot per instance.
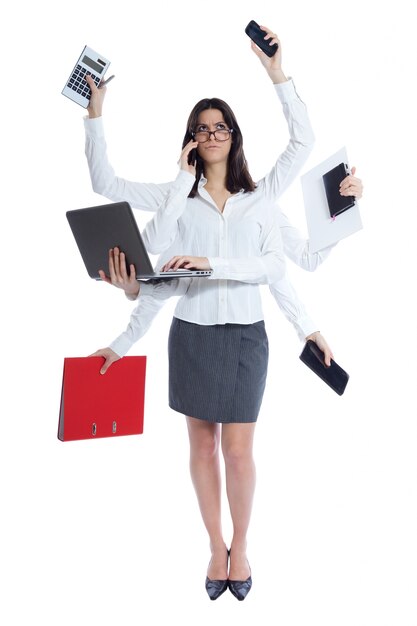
99 228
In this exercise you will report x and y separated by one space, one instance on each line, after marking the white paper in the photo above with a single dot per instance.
322 229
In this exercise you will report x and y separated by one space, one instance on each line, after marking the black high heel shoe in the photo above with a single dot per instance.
215 588
241 588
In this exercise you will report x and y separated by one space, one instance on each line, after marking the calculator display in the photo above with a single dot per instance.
94 66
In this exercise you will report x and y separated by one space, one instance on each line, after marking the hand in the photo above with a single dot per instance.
119 277
271 64
95 108
109 358
322 344
183 160
351 186
187 262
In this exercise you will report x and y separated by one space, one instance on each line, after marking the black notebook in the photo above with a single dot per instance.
332 179
334 376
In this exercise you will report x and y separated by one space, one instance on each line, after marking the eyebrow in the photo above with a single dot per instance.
215 123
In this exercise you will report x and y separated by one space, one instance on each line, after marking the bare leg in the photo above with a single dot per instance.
205 473
237 444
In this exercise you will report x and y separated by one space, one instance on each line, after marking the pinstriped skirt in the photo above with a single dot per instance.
217 373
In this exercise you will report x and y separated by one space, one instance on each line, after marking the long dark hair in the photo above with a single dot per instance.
238 176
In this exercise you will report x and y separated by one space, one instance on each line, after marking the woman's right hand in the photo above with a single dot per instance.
183 160
119 277
109 356
95 108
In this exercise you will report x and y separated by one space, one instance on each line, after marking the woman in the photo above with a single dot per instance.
217 334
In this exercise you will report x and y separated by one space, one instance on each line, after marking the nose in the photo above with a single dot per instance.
211 135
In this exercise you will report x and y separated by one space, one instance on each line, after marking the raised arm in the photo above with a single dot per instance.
301 141
145 196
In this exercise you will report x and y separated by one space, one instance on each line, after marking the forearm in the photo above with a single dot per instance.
140 321
145 196
262 270
290 162
152 297
292 307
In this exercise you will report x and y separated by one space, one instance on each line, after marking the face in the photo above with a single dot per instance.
213 151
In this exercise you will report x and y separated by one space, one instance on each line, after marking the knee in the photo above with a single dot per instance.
237 456
205 447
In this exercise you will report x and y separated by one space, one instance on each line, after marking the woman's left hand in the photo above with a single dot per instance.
318 338
187 262
351 186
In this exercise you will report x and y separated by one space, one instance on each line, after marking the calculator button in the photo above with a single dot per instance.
71 80
78 90
76 71
88 96
88 73
74 88
78 67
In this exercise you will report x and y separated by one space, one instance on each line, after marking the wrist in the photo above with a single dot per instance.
132 294
277 76
313 336
93 114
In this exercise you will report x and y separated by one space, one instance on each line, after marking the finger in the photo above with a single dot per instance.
269 33
103 277
111 267
132 275
180 262
109 360
169 264
106 366
353 171
91 84
187 149
123 269
116 253
257 50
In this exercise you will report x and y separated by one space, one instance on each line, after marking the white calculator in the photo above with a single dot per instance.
90 63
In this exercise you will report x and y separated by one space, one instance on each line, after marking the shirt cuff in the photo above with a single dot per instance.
218 266
121 345
305 326
94 126
286 91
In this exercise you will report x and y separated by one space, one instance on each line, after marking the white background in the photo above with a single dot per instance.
108 532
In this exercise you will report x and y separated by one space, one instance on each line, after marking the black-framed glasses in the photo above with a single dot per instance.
221 134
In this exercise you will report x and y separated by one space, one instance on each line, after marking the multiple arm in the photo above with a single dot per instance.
162 231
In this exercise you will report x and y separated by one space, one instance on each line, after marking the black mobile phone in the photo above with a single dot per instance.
192 157
335 376
255 32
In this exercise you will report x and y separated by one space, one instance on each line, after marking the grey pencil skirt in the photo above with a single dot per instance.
217 373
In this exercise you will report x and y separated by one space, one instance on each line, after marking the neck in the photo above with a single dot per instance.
216 174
